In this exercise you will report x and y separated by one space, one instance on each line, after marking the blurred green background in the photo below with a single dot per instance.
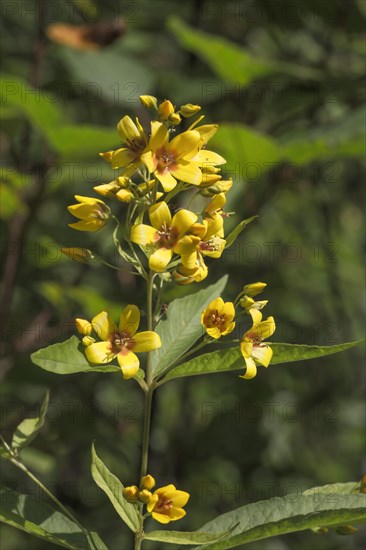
285 80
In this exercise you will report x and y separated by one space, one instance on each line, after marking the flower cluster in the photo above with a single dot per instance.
121 341
152 166
217 320
164 504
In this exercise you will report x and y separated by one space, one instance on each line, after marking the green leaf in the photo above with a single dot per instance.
182 326
228 60
110 75
231 359
29 428
185 537
231 238
38 518
278 516
113 488
67 358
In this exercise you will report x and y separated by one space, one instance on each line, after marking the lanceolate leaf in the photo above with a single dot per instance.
183 537
29 428
231 359
278 516
113 488
182 327
41 520
68 358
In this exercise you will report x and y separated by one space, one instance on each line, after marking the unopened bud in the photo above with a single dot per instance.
131 494
83 326
81 255
166 109
107 155
175 119
147 482
145 496
254 289
87 341
189 110
149 101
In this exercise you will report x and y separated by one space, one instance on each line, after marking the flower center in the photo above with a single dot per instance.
166 159
210 245
119 340
218 320
164 504
167 236
136 145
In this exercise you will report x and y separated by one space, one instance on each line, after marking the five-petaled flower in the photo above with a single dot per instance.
166 504
252 347
121 341
92 213
166 235
217 318
134 143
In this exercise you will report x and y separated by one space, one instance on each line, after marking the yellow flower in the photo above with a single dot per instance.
145 496
217 318
167 503
149 101
165 236
134 142
93 214
131 494
83 327
221 186
254 288
121 341
210 232
165 110
248 303
186 275
189 110
170 161
214 212
251 346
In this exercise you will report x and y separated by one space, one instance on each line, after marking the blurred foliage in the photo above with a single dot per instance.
285 80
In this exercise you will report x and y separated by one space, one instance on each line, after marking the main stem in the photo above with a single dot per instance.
148 400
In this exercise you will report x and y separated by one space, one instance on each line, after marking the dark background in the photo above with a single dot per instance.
292 112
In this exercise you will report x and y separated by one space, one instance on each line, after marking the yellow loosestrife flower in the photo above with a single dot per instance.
122 341
217 318
166 235
252 347
92 213
134 143
166 504
171 161
147 482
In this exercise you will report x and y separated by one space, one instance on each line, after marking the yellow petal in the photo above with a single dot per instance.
256 318
159 136
267 328
104 325
251 369
213 332
189 260
143 234
229 329
127 129
217 203
205 157
129 363
183 220
88 225
160 215
99 353
161 518
106 189
149 160
176 513
122 157
160 259
129 320
246 348
146 341
187 171
229 311
186 245
207 131
167 180
263 354
184 143
154 499
180 498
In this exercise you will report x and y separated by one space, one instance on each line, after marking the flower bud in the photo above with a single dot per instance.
87 341
107 155
147 482
131 494
149 101
145 496
254 289
81 255
189 110
166 109
175 118
83 326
